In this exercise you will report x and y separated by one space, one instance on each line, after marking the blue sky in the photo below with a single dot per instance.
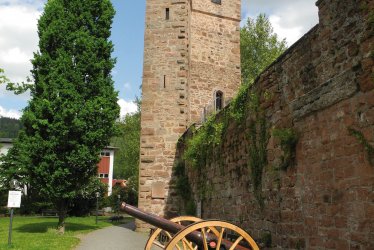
18 40
127 36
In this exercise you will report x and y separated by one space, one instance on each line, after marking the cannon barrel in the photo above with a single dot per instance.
171 226
159 222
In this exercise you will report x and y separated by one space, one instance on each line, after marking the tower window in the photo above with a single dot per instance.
218 100
216 1
164 81
167 14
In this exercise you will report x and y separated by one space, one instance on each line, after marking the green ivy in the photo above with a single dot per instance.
364 142
266 238
370 22
288 141
183 188
239 104
190 207
205 141
259 137
201 144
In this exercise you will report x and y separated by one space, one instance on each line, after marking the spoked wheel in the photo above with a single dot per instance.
225 236
160 237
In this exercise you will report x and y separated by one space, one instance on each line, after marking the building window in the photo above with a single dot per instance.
216 1
105 153
218 100
103 175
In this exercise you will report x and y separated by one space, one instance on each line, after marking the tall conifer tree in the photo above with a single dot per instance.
73 105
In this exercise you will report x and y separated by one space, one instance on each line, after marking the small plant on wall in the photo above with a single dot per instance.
369 149
288 140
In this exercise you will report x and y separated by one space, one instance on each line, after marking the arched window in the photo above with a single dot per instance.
218 100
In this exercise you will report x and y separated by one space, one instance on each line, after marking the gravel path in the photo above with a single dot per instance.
120 237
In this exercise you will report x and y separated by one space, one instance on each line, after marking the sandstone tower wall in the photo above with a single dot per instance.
163 117
214 53
191 50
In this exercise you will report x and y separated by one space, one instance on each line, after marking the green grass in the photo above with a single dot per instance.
35 233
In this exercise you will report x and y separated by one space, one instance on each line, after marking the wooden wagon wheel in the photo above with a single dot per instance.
153 239
179 240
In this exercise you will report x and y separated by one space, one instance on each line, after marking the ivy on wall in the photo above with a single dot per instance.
183 188
369 149
204 144
201 145
258 136
288 140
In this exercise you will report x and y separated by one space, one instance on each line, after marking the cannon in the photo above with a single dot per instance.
191 233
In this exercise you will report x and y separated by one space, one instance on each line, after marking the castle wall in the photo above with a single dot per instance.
320 87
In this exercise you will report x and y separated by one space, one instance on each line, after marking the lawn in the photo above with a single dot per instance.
39 233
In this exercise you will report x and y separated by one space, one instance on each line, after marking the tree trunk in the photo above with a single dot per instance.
61 223
62 212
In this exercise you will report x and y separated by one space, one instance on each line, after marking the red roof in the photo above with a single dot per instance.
121 183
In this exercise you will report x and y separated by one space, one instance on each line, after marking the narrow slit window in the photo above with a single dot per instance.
167 14
164 81
219 100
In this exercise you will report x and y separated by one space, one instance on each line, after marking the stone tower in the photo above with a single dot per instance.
191 59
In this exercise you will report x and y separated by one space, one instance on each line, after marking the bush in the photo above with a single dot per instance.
86 201
128 195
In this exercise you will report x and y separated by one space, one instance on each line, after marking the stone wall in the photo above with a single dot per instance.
188 54
320 87
214 53
163 117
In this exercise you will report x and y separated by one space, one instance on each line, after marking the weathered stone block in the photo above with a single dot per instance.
158 190
325 95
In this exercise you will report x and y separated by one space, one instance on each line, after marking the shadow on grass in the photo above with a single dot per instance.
43 227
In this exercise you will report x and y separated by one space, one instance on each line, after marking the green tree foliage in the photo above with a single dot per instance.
70 117
259 47
9 127
127 194
85 201
3 78
126 160
17 88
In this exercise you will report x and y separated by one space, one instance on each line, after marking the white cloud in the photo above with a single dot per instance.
9 113
291 34
19 39
290 19
13 56
126 107
33 3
